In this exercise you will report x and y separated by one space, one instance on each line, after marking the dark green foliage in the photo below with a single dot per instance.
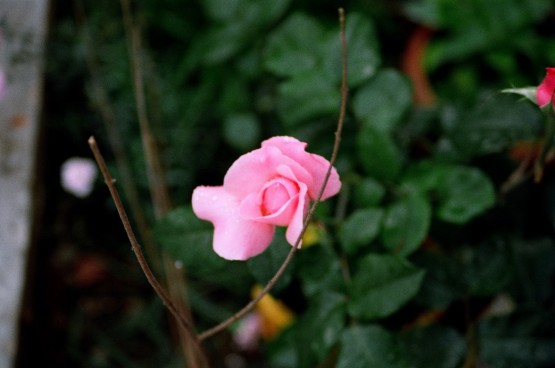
424 225
381 285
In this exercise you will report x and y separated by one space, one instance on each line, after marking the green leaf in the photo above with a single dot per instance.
443 283
369 346
307 96
406 223
484 274
368 192
242 131
464 192
219 44
291 47
378 154
363 57
517 341
360 228
222 10
258 12
264 266
188 239
320 328
424 176
319 270
534 260
434 347
381 285
383 100
282 352
493 126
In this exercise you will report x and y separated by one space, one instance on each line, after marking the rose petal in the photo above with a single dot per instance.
235 238
316 165
252 206
546 90
297 222
250 210
252 170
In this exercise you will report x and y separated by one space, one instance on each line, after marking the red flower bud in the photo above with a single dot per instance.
546 90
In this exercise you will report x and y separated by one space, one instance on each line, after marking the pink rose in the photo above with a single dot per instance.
268 187
546 90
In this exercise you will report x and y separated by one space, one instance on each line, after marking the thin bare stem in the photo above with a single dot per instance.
99 96
158 189
344 91
110 182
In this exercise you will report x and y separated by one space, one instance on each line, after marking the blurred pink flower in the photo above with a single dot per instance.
267 187
546 90
248 332
78 175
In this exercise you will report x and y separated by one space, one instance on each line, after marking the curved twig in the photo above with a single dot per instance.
110 182
344 91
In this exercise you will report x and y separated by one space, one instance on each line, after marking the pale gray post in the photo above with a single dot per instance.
22 43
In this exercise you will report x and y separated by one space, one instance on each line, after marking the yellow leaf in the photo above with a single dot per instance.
275 316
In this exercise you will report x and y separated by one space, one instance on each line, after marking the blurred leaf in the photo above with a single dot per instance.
517 341
487 269
293 46
442 283
379 156
233 95
476 26
383 100
534 268
481 270
218 45
319 270
264 266
424 176
222 10
492 126
265 12
241 21
360 228
254 12
381 285
307 96
368 192
363 57
434 347
242 131
320 328
424 11
283 351
189 240
464 192
369 346
406 223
